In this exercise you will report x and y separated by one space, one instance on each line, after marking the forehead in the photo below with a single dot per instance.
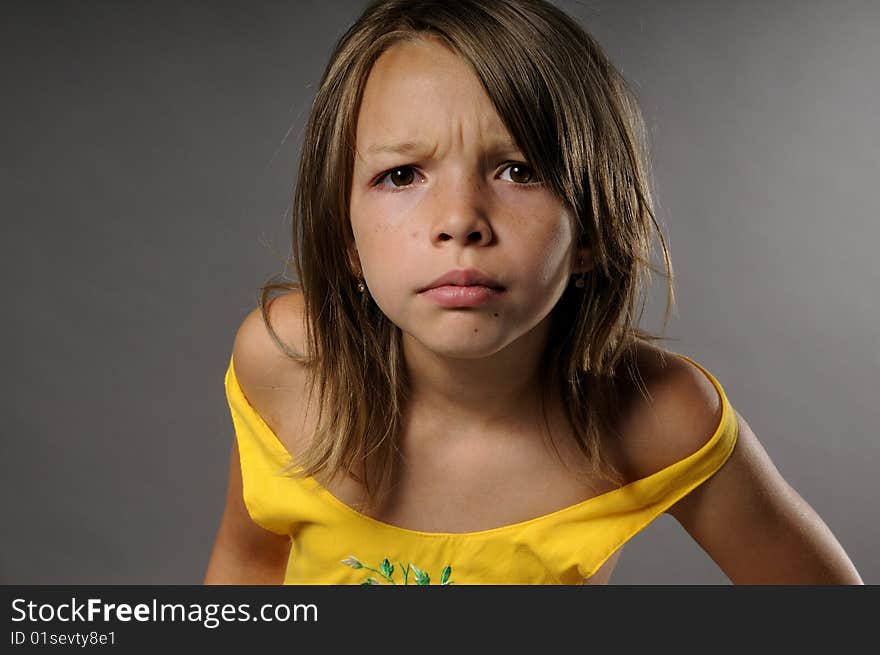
416 92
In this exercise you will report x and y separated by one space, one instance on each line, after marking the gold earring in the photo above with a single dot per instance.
361 287
579 279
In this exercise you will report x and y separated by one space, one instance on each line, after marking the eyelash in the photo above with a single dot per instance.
379 180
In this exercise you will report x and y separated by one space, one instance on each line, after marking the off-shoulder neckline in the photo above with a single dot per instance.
281 451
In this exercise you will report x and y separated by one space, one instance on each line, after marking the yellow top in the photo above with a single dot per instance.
333 544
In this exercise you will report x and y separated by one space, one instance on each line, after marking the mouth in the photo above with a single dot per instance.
459 296
463 286
464 278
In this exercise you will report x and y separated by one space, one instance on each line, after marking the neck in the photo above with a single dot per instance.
457 397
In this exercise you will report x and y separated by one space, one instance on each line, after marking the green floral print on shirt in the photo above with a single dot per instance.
386 570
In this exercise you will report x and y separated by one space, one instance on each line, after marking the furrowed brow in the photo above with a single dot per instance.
404 147
408 147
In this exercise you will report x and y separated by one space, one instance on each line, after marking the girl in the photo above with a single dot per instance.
456 391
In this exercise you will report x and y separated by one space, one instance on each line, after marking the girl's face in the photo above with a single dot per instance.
439 186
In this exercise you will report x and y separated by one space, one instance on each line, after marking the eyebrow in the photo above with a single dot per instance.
405 147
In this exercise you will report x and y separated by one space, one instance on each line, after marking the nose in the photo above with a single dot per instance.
462 213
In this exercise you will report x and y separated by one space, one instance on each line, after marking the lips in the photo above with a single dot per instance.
461 297
464 278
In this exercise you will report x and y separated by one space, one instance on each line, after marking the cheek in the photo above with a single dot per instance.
385 235
547 247
374 221
388 255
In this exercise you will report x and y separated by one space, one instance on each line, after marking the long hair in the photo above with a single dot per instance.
577 122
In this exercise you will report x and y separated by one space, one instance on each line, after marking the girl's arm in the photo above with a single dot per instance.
244 553
747 518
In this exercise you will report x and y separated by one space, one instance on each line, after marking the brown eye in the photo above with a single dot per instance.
401 176
521 174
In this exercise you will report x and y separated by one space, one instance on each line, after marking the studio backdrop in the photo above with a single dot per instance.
148 165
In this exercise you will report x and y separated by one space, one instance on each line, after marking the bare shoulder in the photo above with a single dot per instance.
255 351
268 377
745 516
673 409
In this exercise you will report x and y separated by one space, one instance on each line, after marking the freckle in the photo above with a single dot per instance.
476 330
495 314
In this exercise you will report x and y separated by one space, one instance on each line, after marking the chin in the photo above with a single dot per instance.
463 345
461 353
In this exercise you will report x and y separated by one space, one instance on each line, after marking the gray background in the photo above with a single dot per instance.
148 165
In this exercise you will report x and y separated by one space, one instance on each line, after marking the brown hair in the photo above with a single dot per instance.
576 121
